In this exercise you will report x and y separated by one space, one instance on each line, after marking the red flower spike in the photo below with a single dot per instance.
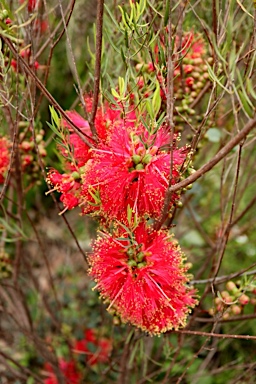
31 4
68 369
143 279
4 157
132 171
103 347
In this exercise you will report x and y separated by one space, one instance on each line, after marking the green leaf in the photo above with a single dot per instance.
166 15
213 135
250 87
54 116
111 16
54 129
114 93
156 101
215 79
244 104
150 109
243 89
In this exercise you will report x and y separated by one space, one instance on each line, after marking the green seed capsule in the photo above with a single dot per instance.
147 158
140 256
130 252
132 263
75 175
139 167
141 265
136 159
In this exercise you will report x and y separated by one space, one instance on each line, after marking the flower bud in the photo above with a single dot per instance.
229 299
236 309
25 146
243 299
39 138
217 300
199 84
211 311
231 286
224 294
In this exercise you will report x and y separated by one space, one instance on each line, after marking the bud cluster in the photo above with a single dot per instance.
30 148
5 265
190 75
28 57
233 300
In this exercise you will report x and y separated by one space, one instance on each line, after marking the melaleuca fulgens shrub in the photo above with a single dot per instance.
167 96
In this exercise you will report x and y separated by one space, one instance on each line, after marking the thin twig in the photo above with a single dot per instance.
219 335
217 158
99 26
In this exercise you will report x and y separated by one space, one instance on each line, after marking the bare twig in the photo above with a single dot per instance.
99 26
217 158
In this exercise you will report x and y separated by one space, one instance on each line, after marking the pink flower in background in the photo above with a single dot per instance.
142 277
68 369
4 157
66 184
31 4
96 349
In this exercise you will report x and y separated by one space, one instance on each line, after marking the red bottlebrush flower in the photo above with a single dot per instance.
66 184
4 157
142 276
68 369
14 64
132 168
95 348
40 26
31 4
